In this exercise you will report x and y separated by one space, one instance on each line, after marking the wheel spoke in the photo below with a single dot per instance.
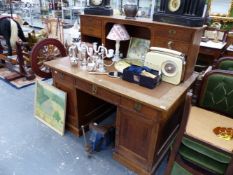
40 62
52 49
44 68
47 69
57 55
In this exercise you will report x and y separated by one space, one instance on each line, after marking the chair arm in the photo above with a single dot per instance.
220 60
197 85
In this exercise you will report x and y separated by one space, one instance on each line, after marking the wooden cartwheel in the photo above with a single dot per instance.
46 50
32 62
30 57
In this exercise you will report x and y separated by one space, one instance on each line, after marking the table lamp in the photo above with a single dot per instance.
118 33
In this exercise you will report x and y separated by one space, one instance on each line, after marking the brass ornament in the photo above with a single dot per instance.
224 133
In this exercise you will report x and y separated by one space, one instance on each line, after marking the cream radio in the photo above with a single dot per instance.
171 63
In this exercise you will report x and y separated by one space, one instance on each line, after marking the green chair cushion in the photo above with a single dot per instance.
179 170
218 94
226 65
207 151
204 156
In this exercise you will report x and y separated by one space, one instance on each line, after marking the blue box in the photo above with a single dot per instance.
133 75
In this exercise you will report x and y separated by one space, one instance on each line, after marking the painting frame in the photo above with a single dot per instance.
50 106
138 47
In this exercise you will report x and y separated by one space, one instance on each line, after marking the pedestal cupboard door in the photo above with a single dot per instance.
136 137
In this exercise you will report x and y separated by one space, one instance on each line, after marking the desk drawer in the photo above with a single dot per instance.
135 106
97 91
171 44
174 33
228 53
91 26
211 52
62 78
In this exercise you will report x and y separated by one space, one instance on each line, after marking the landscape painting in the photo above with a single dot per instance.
50 106
138 48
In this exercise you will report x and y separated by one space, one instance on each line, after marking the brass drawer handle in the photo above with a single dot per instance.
170 44
171 32
137 107
94 89
61 76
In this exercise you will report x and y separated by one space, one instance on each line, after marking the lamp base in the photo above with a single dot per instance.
117 51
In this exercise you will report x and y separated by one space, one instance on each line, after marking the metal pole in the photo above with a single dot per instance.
40 6
11 10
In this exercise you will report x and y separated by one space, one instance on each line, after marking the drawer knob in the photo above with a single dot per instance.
169 44
94 89
137 107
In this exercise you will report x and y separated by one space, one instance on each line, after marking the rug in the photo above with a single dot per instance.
17 83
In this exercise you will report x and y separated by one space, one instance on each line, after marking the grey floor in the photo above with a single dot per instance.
28 147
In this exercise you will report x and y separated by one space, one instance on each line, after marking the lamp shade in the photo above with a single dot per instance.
118 33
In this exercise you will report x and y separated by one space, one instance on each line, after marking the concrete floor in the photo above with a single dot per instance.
28 147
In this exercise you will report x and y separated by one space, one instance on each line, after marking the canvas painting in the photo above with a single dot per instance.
138 48
50 106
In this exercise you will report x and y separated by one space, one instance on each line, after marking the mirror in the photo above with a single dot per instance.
220 8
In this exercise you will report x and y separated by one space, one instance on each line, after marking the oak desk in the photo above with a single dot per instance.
145 117
210 51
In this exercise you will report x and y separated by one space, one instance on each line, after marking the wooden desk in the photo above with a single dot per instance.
213 54
208 54
145 117
228 53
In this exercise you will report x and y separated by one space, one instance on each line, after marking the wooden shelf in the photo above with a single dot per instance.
180 38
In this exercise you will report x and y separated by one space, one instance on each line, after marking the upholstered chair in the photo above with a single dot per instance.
224 63
201 145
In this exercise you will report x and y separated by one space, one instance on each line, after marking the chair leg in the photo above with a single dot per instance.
230 167
180 134
189 168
